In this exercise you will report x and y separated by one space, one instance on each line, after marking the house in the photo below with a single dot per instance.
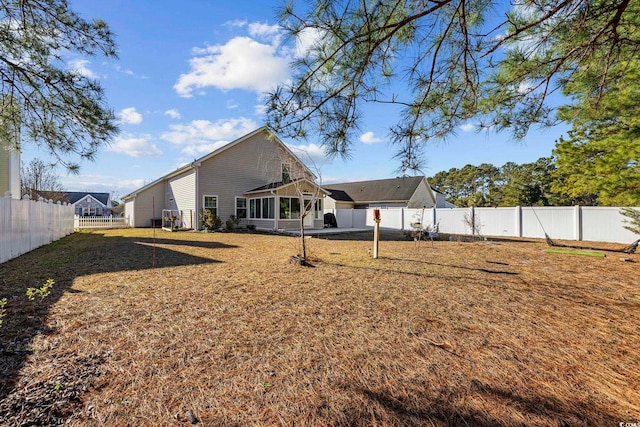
89 204
255 178
84 203
406 192
441 202
9 171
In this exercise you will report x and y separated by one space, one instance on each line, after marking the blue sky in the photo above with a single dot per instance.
191 76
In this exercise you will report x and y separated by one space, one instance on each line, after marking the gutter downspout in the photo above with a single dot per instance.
196 217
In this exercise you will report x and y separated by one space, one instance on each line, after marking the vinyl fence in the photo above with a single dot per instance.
27 224
589 223
83 222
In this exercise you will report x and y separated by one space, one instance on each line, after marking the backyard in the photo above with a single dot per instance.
151 328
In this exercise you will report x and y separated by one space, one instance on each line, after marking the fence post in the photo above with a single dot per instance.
434 217
473 220
578 222
519 221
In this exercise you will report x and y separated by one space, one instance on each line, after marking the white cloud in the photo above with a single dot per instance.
270 33
231 104
241 63
130 116
134 146
173 113
468 127
101 183
313 155
237 23
306 39
81 66
199 136
370 138
202 149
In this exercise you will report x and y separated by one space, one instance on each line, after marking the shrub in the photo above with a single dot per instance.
232 222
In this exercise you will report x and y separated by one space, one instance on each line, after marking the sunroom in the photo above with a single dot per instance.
282 205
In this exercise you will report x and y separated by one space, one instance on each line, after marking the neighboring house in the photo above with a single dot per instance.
9 171
84 203
256 178
441 202
407 192
90 204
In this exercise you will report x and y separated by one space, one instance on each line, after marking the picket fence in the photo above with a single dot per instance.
85 222
587 223
28 224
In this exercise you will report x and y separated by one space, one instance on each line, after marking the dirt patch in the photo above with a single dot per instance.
142 329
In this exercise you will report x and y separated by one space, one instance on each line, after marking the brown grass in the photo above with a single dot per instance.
225 326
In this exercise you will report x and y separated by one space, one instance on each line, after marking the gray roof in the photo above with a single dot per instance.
72 197
380 190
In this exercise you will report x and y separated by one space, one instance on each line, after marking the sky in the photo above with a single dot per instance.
191 76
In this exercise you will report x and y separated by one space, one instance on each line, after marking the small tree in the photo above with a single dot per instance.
309 194
39 179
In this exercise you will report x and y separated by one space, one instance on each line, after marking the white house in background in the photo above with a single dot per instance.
440 200
84 203
9 170
406 192
256 178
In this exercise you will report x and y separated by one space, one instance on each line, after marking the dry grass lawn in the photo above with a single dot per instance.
225 330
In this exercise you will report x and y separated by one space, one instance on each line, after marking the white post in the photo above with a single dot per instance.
376 232
577 222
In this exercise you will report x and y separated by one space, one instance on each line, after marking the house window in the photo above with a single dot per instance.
211 204
262 208
286 172
89 211
289 208
269 208
241 207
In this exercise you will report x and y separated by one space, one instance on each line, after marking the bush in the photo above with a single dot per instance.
232 222
209 220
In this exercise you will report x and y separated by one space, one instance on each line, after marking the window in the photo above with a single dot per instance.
318 210
241 207
268 207
289 208
211 204
262 208
286 172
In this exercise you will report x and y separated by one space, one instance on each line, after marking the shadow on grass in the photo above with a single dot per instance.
422 274
63 261
424 405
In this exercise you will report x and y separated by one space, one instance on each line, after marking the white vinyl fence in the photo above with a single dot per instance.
28 224
83 222
589 223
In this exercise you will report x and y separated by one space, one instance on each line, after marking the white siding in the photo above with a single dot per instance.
149 204
181 195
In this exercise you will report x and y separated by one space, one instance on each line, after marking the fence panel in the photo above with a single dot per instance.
82 222
557 222
598 224
344 217
26 225
605 224
452 221
389 218
497 221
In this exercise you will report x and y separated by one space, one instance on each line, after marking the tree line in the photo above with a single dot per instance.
545 182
